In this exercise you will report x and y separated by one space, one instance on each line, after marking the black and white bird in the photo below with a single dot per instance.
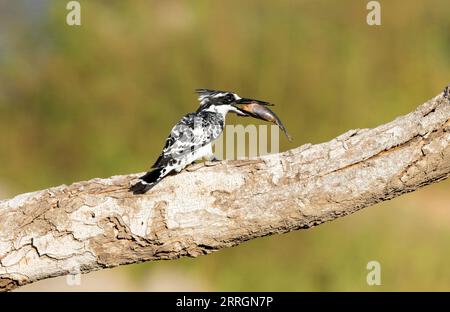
191 138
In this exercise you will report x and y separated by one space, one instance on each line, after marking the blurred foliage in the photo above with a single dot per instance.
99 100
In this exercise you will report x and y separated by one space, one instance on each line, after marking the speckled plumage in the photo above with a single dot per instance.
191 138
190 134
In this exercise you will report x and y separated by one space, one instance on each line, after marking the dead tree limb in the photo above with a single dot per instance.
96 224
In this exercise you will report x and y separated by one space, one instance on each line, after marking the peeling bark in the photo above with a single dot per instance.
96 224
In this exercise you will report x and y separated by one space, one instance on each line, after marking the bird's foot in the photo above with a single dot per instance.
213 158
212 161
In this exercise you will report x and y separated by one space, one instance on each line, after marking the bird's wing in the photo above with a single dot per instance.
188 135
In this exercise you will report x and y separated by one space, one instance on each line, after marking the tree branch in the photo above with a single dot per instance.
96 224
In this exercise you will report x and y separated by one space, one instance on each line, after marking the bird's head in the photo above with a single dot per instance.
223 101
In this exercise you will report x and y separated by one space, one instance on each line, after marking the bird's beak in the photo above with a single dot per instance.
251 101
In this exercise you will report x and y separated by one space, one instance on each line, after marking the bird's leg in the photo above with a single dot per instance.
211 159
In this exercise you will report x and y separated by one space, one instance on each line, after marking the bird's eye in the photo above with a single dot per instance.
228 99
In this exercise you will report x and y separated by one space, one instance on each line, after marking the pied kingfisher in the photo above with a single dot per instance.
191 138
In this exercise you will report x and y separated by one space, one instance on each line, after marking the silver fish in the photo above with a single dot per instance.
262 112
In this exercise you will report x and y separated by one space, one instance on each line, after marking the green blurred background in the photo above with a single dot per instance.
99 99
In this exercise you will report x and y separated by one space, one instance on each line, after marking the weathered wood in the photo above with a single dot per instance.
96 224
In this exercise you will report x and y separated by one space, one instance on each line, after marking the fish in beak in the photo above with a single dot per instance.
258 109
244 106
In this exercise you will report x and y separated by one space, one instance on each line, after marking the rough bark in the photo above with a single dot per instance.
96 224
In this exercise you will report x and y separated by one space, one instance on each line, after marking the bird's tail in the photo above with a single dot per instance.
147 181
